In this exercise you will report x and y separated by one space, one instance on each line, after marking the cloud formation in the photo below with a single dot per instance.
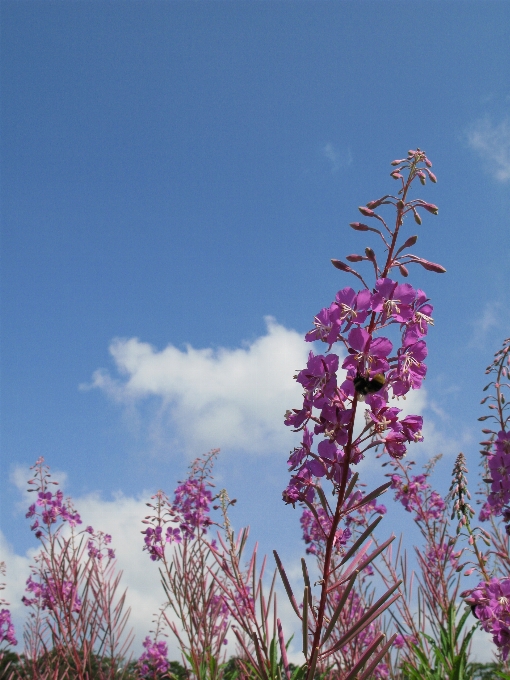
230 398
336 158
492 142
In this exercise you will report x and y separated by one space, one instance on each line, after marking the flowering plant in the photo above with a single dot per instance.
76 620
358 322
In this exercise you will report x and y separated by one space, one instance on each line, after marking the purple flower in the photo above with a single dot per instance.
7 632
490 603
154 663
366 353
394 300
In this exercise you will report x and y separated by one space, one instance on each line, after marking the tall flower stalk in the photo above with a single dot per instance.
77 622
355 322
176 538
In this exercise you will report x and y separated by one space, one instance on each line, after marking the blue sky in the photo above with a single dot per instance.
178 172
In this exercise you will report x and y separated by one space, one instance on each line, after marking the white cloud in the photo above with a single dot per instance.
230 398
336 158
121 517
492 142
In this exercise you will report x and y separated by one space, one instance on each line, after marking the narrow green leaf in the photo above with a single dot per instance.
360 540
380 655
286 583
368 653
306 578
305 622
339 608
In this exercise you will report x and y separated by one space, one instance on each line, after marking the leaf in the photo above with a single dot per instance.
360 540
340 606
286 584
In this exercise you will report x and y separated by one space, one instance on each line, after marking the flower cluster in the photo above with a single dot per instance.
50 507
7 632
416 495
97 546
314 533
159 534
192 500
499 467
154 663
187 516
490 603
372 370
51 593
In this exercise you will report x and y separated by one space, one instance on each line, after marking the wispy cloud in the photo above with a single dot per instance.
336 158
493 317
492 142
230 398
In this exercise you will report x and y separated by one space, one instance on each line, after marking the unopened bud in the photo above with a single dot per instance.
433 178
431 208
431 266
401 205
468 572
410 242
403 270
354 258
397 162
428 163
366 211
341 265
375 204
422 179
417 218
358 226
370 254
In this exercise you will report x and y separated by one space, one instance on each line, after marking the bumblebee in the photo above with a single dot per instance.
366 386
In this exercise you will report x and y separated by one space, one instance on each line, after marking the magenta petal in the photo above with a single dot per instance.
358 339
363 300
385 287
327 449
405 293
381 347
316 468
346 296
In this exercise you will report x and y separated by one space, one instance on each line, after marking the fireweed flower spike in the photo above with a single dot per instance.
490 600
7 632
373 370
176 538
72 593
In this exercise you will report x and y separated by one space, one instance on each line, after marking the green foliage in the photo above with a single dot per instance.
450 660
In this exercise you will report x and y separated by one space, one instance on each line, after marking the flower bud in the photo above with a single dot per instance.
417 218
430 266
428 163
370 254
341 265
375 204
396 174
354 258
431 208
401 205
433 178
397 162
366 211
410 242
358 226
403 270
